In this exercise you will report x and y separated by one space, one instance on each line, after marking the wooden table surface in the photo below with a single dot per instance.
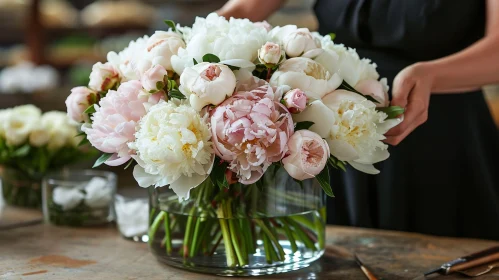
49 252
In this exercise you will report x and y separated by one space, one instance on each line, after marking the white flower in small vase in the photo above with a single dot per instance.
352 127
132 216
19 122
67 197
307 75
207 83
98 193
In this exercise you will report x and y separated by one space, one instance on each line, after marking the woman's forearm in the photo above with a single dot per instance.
469 69
255 10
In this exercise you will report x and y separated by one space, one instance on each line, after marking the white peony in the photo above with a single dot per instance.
307 75
296 41
98 193
233 39
19 122
67 198
207 83
161 46
132 216
346 63
352 127
173 147
127 61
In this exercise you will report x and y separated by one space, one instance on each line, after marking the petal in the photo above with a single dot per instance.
320 115
377 156
143 178
313 53
183 185
388 124
241 63
342 150
366 168
115 160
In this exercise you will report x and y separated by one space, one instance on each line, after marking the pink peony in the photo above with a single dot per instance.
78 101
308 155
103 77
116 118
295 100
250 131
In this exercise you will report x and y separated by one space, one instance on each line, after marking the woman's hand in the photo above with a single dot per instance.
411 90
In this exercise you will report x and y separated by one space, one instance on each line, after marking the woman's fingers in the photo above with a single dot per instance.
416 114
402 86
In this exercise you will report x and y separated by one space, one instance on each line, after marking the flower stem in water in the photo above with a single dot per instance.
155 225
229 250
168 237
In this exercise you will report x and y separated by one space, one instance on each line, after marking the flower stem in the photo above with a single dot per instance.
218 238
168 236
268 248
273 238
188 229
233 234
301 235
290 236
229 250
155 225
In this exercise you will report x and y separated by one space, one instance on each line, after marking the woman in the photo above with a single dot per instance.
444 177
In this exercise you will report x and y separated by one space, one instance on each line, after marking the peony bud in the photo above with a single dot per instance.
270 53
308 155
103 77
295 100
161 46
153 79
78 101
301 43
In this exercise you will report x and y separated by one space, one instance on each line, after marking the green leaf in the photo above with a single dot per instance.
175 93
82 133
171 23
233 68
90 109
103 158
344 85
303 125
218 174
195 61
323 179
22 151
333 36
336 163
392 111
83 142
172 85
211 58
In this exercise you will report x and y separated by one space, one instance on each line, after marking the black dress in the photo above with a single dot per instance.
443 179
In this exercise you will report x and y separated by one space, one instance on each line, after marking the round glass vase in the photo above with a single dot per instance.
20 188
276 225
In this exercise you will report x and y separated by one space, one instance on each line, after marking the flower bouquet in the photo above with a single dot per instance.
235 125
31 144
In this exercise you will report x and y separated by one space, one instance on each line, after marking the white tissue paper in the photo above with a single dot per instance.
67 198
99 194
132 216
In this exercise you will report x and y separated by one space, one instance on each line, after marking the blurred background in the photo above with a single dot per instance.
48 46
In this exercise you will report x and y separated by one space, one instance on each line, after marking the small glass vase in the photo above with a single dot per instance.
79 197
20 188
274 226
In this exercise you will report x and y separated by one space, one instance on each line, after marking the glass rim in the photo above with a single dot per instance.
48 178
